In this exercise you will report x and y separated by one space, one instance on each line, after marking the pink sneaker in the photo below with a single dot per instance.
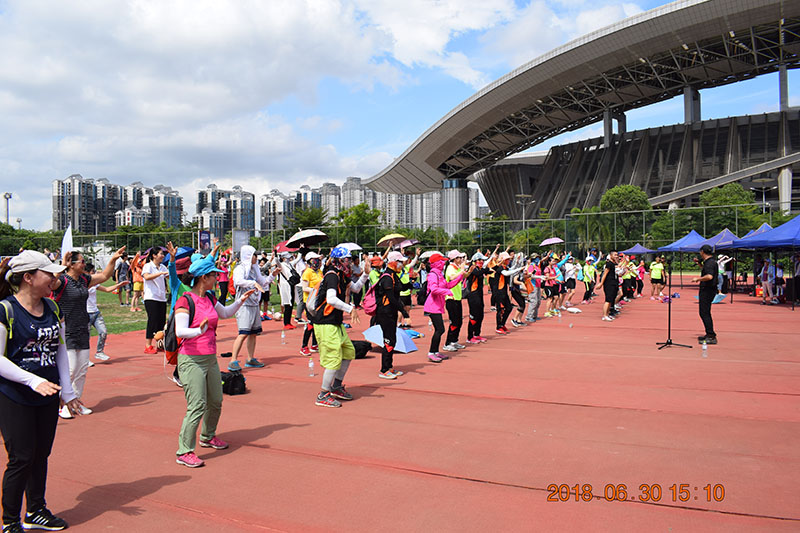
482 339
190 460
435 357
473 340
215 442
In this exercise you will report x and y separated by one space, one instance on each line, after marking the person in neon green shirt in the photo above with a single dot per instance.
657 278
589 279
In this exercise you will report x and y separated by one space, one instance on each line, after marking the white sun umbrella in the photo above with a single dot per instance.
350 246
306 237
426 255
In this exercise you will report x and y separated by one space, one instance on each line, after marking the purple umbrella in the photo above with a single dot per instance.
551 240
408 242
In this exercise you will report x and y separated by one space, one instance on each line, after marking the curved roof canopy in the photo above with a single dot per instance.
641 60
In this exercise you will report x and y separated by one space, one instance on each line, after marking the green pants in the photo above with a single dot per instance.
202 386
334 345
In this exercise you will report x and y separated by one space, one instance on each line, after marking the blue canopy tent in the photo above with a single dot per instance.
761 229
638 250
689 239
721 241
784 237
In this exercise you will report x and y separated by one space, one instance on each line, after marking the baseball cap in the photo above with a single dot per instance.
395 256
312 255
503 256
32 260
435 258
478 257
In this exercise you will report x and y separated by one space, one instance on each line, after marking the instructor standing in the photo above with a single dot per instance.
708 289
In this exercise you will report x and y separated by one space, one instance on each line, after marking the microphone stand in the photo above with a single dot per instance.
669 342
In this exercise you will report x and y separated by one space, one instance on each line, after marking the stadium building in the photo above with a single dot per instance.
676 50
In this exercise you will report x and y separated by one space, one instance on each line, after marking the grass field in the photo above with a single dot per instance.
120 319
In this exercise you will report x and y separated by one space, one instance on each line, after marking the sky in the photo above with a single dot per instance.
269 94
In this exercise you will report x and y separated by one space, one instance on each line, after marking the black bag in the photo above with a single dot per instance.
294 278
233 383
362 347
422 293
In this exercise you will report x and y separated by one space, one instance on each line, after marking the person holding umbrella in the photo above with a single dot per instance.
387 298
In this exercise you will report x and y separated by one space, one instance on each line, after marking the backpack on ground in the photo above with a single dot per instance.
233 382
370 301
171 341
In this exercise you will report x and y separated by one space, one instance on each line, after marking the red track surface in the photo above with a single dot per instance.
468 445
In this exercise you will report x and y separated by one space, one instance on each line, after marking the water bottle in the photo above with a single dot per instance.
311 367
705 349
283 337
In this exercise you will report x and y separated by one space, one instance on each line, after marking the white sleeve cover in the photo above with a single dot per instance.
355 286
224 311
182 329
333 300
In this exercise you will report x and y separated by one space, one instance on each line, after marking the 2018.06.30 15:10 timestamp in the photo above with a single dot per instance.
677 492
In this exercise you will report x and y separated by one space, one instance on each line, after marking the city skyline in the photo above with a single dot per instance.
98 206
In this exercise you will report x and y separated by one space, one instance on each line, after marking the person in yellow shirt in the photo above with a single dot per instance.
311 277
657 278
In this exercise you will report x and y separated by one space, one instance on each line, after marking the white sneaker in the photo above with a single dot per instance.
100 356
607 319
85 410
459 346
91 364
449 348
64 412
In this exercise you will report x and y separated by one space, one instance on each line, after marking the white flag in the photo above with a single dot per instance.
66 242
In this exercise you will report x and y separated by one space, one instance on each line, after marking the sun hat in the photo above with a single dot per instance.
477 256
203 267
32 260
453 254
395 256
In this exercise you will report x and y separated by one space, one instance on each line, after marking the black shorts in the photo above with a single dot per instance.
405 300
562 289
657 281
611 293
571 283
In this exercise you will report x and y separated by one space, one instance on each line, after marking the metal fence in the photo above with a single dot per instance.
579 231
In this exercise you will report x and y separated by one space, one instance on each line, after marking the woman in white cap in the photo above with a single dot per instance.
71 291
455 309
35 368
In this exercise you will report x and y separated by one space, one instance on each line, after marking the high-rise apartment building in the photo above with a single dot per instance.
331 200
276 208
237 206
98 206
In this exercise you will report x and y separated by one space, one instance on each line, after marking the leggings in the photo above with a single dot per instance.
287 314
438 330
28 433
503 308
639 286
309 334
475 304
388 324
455 312
587 295
156 317
223 292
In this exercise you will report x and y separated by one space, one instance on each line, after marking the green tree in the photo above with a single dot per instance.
630 227
306 218
462 239
358 224
741 218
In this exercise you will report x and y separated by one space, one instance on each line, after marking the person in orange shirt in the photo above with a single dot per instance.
137 263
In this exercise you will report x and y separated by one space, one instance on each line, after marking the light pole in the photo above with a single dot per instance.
19 223
524 200
763 191
7 196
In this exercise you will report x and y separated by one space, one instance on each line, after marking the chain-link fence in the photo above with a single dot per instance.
579 231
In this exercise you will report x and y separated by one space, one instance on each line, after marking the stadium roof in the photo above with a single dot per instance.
636 62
